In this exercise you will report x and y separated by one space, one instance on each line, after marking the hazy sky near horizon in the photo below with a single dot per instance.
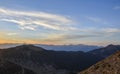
93 22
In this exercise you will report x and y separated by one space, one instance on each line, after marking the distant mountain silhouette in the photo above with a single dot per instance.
106 51
110 65
44 61
78 47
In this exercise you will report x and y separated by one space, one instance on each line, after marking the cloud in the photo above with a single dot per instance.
65 37
88 33
32 20
103 32
94 19
10 34
85 33
78 36
116 7
111 30
97 20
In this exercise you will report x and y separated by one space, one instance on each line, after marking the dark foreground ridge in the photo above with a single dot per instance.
110 65
11 68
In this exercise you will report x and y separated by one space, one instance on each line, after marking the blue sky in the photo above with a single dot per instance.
92 22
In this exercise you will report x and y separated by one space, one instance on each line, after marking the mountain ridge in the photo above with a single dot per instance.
26 56
44 61
78 47
106 51
110 65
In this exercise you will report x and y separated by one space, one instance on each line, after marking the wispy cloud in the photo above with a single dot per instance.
104 32
97 20
111 30
67 37
116 7
10 34
77 36
87 33
31 20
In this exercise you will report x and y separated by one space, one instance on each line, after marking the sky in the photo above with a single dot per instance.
58 22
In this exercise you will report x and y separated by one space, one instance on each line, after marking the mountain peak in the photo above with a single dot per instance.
110 45
28 47
106 51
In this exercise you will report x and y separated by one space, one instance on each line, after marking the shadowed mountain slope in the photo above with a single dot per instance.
43 61
106 51
110 65
11 68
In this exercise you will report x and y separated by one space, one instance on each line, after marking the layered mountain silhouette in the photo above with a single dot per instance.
110 65
77 47
42 61
106 51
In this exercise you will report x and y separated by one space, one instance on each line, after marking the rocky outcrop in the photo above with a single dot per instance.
110 65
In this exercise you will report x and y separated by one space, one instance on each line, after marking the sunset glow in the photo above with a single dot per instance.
57 22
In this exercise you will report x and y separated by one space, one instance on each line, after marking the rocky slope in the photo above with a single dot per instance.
11 68
110 65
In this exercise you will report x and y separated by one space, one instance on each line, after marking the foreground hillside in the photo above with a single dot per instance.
11 68
110 65
44 61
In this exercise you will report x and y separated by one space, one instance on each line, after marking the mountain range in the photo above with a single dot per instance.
42 61
78 47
